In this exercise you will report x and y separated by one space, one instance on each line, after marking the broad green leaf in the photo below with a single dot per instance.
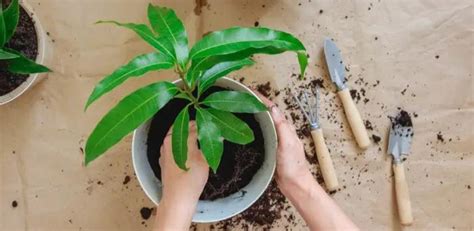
23 65
126 116
232 128
146 34
251 40
7 55
182 96
201 65
210 139
209 77
11 16
179 139
3 29
167 25
137 67
234 101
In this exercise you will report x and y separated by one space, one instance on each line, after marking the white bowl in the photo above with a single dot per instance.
223 208
32 79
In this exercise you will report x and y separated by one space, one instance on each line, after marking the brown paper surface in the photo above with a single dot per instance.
424 47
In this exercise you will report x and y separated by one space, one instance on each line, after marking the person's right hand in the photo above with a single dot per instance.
292 166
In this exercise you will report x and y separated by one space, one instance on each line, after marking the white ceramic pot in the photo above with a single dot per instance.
223 208
32 79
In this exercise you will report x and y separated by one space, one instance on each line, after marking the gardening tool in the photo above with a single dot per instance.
337 72
399 145
310 111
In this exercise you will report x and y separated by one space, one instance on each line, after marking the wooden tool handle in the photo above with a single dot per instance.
403 197
325 161
355 121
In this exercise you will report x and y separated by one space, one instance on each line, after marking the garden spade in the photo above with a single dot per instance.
337 72
401 134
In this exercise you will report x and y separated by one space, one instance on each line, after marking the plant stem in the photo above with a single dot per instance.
187 90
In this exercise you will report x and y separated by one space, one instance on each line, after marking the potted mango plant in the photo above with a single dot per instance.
236 133
22 50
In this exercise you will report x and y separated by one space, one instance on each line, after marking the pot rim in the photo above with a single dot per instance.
258 195
29 82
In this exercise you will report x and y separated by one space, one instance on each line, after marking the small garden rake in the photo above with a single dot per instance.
310 107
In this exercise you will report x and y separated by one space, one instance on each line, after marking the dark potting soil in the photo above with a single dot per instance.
239 162
25 41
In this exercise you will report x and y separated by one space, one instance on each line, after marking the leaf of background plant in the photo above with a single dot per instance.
232 128
234 101
3 32
146 34
7 55
210 139
238 39
127 115
135 68
11 16
167 25
179 138
220 70
23 65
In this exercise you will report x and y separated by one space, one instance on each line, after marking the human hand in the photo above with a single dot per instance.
292 167
185 186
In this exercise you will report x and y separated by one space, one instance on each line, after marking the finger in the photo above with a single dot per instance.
277 115
192 126
264 99
286 134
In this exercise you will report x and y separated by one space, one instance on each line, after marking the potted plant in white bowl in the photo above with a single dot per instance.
21 42
235 132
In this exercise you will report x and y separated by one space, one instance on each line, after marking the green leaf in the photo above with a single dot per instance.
11 16
179 139
220 70
126 116
303 60
137 67
234 101
250 40
167 25
7 55
146 34
210 139
232 128
23 65
3 29
183 95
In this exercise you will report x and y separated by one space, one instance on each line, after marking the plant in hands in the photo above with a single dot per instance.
12 60
214 56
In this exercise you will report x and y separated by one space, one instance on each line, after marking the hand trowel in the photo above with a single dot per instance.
401 134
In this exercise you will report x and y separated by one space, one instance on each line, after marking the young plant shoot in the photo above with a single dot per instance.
12 60
214 56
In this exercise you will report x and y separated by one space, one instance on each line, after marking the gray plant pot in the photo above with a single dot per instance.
32 79
220 209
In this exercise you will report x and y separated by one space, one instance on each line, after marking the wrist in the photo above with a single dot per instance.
299 188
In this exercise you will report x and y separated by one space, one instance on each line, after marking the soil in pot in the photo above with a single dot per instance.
239 162
25 41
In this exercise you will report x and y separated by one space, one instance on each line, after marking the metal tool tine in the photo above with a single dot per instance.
300 104
317 104
310 108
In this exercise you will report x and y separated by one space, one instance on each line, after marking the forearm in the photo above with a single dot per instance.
174 214
316 207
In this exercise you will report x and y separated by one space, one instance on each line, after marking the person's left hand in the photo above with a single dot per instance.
177 183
